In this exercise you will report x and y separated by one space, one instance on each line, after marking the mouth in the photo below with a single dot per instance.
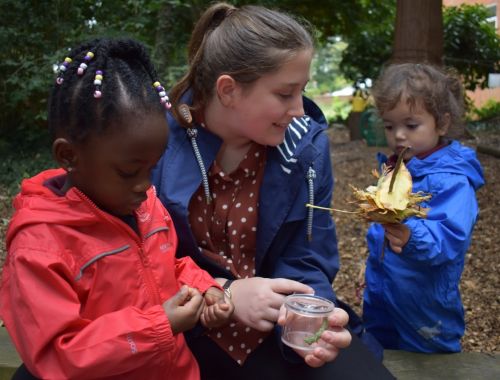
281 125
400 148
138 201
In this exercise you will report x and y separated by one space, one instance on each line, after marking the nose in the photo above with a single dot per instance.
297 107
143 185
400 134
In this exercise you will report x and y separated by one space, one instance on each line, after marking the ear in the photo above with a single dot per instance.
445 125
226 89
64 153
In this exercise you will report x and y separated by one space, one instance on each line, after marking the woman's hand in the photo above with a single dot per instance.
333 339
397 234
183 309
258 300
218 309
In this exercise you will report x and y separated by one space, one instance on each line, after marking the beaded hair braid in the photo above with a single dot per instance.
100 83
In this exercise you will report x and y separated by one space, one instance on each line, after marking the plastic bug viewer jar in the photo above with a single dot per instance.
306 318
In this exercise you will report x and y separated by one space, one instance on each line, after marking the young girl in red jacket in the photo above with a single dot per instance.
91 287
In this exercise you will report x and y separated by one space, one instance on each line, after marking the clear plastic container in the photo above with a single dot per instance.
306 318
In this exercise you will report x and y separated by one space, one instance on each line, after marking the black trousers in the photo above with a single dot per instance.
22 373
353 363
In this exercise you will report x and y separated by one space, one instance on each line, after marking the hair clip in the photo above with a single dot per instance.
83 65
98 83
62 68
185 113
163 95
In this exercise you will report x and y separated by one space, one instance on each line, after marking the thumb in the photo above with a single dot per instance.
181 296
285 286
282 315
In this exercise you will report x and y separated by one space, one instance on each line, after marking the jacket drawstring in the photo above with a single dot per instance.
311 175
192 133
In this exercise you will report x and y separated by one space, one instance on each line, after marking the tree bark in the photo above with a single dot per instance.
419 32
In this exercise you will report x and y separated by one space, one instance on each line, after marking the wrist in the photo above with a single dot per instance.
226 287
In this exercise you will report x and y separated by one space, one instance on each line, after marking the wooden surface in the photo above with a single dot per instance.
461 366
404 365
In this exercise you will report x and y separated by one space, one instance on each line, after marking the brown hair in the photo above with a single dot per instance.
245 43
439 90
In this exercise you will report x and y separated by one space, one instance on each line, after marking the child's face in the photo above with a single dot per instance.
113 168
415 128
262 112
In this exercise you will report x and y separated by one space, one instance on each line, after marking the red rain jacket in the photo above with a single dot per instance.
81 292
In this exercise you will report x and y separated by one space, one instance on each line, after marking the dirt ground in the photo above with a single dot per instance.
353 162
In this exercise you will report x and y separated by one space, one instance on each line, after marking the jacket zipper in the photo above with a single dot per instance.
148 276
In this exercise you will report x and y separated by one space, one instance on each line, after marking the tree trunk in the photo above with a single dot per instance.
419 32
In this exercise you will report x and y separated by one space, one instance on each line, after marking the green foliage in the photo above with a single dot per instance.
370 42
489 111
36 35
472 45
337 111
18 164
325 73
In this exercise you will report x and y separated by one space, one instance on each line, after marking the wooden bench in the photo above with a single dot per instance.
461 366
404 365
9 359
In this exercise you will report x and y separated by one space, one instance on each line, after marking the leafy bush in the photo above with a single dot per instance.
489 111
337 111
24 163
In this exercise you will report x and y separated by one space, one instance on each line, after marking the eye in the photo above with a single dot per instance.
127 174
412 126
285 96
388 127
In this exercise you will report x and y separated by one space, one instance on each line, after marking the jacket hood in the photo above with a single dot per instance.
38 204
454 158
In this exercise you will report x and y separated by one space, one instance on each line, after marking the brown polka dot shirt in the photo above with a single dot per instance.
226 231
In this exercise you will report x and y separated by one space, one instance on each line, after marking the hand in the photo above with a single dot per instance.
397 234
331 340
257 300
183 309
218 309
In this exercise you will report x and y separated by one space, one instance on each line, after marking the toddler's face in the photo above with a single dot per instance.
114 167
415 128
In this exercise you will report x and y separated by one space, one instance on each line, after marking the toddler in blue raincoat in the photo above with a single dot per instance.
412 299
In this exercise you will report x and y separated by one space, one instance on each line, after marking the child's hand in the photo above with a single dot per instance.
184 308
398 235
218 309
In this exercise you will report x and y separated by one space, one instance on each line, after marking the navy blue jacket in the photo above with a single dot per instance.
283 248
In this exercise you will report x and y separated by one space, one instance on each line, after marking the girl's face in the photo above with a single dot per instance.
113 168
262 112
415 128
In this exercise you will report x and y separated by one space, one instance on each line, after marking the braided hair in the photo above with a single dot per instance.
100 83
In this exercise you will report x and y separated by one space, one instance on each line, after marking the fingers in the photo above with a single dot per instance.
282 315
285 286
181 296
339 318
337 338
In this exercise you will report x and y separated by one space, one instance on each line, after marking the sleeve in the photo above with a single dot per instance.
42 312
314 262
188 273
446 232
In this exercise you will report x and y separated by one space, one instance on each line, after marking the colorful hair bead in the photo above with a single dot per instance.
83 65
163 95
98 82
62 68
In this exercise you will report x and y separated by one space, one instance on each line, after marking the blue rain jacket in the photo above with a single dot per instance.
412 300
